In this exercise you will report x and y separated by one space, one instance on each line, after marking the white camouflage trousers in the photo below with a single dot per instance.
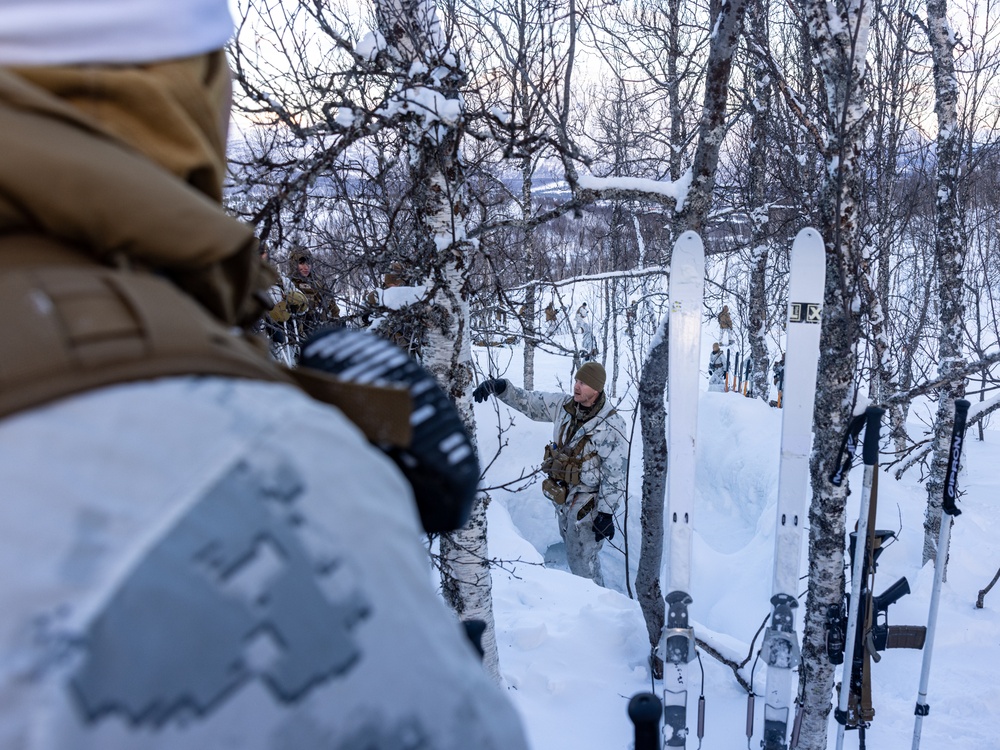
582 549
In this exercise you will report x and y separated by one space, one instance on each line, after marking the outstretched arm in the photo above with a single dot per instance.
536 405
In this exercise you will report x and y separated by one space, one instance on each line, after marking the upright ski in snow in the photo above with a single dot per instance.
677 645
780 649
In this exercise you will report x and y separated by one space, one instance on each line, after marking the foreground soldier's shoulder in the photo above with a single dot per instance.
259 557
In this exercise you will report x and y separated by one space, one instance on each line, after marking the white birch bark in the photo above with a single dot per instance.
839 32
528 320
430 78
759 217
654 486
950 256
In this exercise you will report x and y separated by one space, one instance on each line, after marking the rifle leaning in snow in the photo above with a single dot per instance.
865 629
882 635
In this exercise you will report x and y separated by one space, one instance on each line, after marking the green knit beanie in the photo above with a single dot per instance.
592 374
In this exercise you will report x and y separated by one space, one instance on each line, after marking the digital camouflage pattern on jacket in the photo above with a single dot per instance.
605 468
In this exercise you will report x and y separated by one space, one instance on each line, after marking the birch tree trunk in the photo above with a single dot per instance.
673 90
950 258
613 309
759 206
528 319
728 27
430 78
893 64
840 35
652 385
834 395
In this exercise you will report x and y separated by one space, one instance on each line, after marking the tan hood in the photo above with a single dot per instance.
67 176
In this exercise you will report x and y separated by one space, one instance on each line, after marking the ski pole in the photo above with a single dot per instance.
645 710
948 511
869 453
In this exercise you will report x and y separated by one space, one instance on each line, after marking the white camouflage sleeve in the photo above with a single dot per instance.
611 446
536 405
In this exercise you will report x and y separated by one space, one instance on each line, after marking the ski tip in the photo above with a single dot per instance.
808 233
689 247
809 250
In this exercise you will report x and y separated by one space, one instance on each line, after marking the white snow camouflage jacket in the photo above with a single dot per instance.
605 471
198 569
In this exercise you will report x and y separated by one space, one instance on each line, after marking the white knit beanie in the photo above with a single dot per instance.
71 32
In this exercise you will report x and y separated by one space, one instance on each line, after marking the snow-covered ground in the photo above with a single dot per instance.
573 654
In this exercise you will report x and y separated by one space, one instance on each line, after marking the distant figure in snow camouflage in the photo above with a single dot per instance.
716 369
778 368
586 463
588 343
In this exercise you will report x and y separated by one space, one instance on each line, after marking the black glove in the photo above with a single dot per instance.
440 461
484 389
604 526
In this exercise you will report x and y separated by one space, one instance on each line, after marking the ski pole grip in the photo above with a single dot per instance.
961 413
873 422
645 710
954 458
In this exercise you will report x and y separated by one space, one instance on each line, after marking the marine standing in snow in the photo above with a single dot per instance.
210 558
551 318
726 325
586 463
631 313
320 307
283 321
587 340
778 369
716 369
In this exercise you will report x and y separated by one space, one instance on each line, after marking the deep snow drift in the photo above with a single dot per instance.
573 654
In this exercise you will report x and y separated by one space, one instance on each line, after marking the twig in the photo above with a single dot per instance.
985 591
729 662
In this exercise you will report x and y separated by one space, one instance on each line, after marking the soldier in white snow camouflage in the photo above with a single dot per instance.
586 464
207 555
